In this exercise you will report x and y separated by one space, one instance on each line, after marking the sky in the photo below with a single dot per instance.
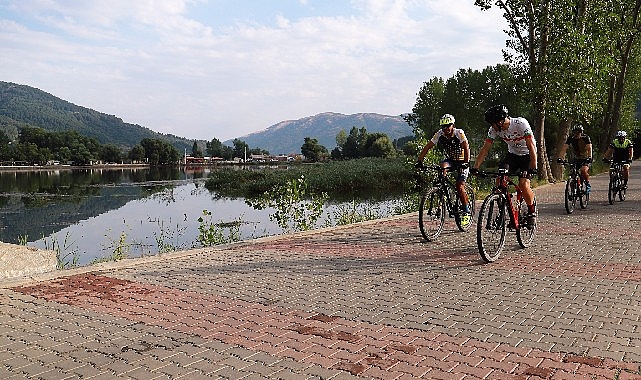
204 69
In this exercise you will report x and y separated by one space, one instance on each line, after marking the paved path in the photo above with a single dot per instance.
371 300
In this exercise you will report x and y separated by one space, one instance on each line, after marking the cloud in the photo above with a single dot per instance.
201 69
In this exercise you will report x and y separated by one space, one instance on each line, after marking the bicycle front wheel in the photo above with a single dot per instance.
431 214
464 225
525 232
621 190
570 195
491 227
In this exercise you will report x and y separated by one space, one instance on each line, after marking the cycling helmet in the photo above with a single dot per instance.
622 134
446 119
496 113
578 128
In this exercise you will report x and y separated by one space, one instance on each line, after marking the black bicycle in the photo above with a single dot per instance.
575 186
616 187
502 210
440 199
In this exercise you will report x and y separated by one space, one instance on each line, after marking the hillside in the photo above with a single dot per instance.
288 136
20 105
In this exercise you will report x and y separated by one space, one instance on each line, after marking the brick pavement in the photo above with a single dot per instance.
371 300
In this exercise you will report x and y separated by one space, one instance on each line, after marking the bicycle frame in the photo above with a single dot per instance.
444 184
502 187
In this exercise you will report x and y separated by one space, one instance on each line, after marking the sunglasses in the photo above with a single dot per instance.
446 126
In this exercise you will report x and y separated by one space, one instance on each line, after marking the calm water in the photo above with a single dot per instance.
87 212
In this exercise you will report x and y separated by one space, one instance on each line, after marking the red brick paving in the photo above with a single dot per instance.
371 351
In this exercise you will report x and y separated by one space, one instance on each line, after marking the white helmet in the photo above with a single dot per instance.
622 134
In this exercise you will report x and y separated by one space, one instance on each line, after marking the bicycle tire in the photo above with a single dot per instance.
491 227
612 189
584 198
570 192
621 191
471 198
524 234
431 214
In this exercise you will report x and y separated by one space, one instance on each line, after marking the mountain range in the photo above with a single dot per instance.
24 105
288 136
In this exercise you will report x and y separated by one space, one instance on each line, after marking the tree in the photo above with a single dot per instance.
240 148
137 153
110 153
379 145
426 111
312 150
195 150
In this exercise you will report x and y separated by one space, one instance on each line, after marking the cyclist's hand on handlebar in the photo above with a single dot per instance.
605 159
419 165
474 170
465 165
559 160
588 160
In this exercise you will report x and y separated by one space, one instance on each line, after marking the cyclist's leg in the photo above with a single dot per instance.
460 188
585 174
626 174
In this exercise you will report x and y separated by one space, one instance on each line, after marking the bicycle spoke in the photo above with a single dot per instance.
431 215
491 227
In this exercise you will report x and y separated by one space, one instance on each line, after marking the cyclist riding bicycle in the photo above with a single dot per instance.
521 151
622 150
453 143
582 151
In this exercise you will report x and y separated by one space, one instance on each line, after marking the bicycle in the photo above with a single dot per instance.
575 186
440 198
502 210
615 186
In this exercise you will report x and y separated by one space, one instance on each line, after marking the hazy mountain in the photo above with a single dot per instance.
20 105
288 136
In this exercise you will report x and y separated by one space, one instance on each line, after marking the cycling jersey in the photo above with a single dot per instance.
515 136
579 146
451 146
621 150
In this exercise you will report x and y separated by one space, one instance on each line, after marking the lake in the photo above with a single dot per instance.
90 213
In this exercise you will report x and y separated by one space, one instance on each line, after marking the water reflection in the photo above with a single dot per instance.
92 212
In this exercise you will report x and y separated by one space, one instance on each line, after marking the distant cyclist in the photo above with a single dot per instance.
454 144
521 151
622 150
582 152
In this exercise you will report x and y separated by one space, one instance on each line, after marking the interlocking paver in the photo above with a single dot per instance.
371 300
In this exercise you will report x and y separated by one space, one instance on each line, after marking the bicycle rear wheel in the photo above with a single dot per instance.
525 233
491 227
570 195
471 197
612 189
584 198
431 214
621 190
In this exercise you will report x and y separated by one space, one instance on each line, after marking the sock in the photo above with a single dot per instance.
466 208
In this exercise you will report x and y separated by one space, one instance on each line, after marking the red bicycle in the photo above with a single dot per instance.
502 210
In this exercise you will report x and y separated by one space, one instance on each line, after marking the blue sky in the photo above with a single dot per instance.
206 69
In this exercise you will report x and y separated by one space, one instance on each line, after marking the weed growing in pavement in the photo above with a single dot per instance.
119 250
23 240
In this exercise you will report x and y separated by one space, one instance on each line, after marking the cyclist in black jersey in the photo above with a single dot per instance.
582 151
454 144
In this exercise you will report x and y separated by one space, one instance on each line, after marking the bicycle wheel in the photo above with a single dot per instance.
525 233
621 190
431 214
612 189
584 198
570 192
490 228
471 198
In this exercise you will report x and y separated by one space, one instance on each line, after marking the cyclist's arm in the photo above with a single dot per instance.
588 147
608 152
482 153
466 151
426 149
532 149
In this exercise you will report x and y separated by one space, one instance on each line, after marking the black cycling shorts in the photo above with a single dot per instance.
517 165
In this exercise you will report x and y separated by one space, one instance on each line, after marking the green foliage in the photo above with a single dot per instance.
210 234
360 144
312 150
159 152
215 148
66 255
349 179
296 209
354 213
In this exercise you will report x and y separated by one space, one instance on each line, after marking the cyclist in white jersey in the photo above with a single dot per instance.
521 147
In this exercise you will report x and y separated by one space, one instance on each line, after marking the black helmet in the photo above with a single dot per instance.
496 113
578 128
